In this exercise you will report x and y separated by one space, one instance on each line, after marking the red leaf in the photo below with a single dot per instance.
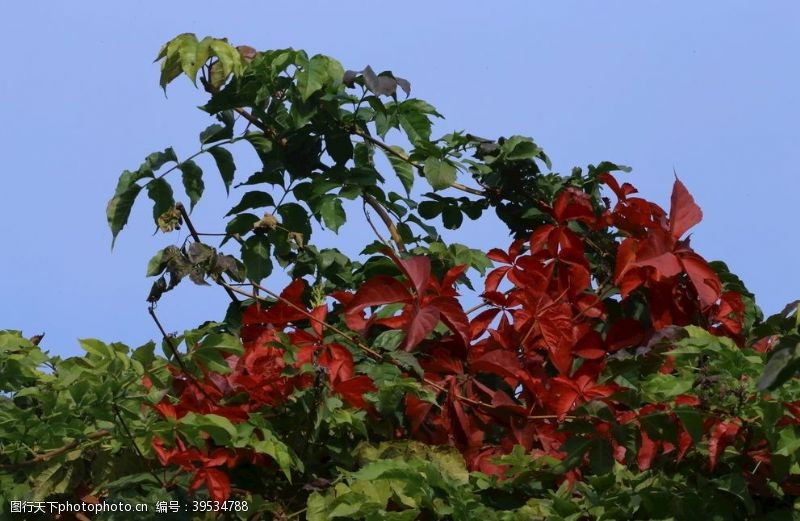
377 291
454 318
723 435
498 255
218 483
320 313
294 291
352 390
452 275
590 346
621 193
338 361
703 277
499 362
481 321
573 204
624 333
647 452
562 396
684 212
494 278
422 323
417 270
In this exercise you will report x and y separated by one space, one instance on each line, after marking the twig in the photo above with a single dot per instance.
133 443
176 354
372 225
56 452
403 157
196 237
387 220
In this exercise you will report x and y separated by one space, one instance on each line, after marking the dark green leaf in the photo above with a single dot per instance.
225 164
156 160
295 219
159 191
332 213
779 368
255 255
250 200
241 224
429 209
119 208
403 169
215 132
192 181
339 146
452 217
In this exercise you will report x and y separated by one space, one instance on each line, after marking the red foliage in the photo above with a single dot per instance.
512 372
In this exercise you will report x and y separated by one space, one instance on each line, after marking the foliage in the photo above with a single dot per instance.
608 372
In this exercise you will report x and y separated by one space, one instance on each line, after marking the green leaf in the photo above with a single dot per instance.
241 224
156 160
452 217
315 73
429 209
119 208
215 132
692 421
389 340
519 147
193 55
229 57
780 367
159 261
664 387
339 146
439 173
159 191
295 219
256 259
221 429
403 169
254 199
225 164
192 181
333 214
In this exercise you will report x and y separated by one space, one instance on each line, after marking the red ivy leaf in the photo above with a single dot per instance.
454 318
684 212
377 291
422 323
417 269
218 483
353 389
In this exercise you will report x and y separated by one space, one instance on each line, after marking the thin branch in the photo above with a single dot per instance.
215 277
56 452
387 220
133 443
174 350
372 225
168 339
404 157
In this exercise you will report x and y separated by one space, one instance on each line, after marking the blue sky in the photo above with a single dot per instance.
707 88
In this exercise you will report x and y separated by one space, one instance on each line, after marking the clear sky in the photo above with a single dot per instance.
707 88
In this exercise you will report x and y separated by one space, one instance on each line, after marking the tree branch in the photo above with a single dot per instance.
387 220
196 236
389 150
56 452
